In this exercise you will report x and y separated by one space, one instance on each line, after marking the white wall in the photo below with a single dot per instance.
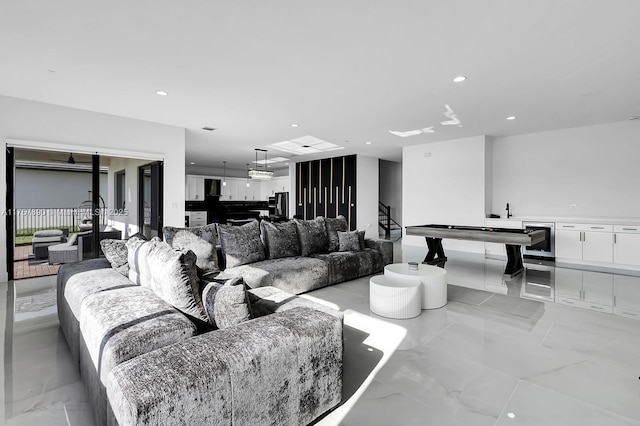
390 187
35 121
597 168
444 183
367 172
42 188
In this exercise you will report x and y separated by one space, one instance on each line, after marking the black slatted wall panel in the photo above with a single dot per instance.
327 188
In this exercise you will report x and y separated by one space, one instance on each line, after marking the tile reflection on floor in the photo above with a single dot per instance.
486 358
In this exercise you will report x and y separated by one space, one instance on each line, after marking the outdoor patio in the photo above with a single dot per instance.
23 268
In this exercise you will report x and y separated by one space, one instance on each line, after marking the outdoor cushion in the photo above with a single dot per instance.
49 233
201 240
280 239
241 244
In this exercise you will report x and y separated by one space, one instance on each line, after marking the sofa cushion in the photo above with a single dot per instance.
116 253
226 303
292 274
349 265
201 240
349 241
280 239
313 236
121 324
173 277
269 300
335 224
241 244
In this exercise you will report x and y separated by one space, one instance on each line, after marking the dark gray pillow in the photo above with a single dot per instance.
241 244
349 241
174 278
361 239
313 236
201 240
227 304
280 239
116 253
335 224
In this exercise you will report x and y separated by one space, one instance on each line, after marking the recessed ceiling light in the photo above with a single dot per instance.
511 415
208 129
192 163
511 117
368 143
161 93
51 71
294 125
459 79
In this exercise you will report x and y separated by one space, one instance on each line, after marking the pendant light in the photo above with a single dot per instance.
224 173
248 174
257 173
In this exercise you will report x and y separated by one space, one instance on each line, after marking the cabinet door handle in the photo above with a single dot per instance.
596 307
629 313
597 227
629 229
614 301
568 226
615 238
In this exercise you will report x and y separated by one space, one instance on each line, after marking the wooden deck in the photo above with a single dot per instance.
22 268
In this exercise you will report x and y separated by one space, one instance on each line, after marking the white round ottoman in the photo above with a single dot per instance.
433 281
394 299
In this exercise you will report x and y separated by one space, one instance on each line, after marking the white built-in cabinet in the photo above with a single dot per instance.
194 188
236 189
626 245
626 299
584 242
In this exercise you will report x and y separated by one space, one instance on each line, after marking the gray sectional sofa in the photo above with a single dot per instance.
162 336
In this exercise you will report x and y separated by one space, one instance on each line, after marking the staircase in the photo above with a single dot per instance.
386 222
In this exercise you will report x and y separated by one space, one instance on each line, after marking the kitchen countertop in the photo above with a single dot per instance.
633 221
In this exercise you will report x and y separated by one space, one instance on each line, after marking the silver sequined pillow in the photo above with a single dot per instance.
280 239
226 303
201 240
349 241
313 236
116 253
241 244
335 224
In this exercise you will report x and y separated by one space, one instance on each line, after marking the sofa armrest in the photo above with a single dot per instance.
383 246
284 368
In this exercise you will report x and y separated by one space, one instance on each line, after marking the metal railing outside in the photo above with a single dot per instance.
30 220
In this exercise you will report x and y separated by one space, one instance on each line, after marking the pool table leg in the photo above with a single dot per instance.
435 255
514 260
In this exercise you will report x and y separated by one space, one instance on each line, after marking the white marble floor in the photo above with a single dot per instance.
486 358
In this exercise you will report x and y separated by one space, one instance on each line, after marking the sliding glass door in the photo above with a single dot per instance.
150 177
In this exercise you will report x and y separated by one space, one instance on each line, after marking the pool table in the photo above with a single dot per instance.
512 238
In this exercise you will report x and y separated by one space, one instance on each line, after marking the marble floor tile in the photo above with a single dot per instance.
533 405
462 391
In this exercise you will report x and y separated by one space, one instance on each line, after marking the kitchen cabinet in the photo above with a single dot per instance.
194 189
584 242
626 299
626 245
584 289
197 218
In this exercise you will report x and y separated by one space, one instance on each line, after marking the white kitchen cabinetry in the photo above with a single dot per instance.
626 245
626 300
584 242
496 249
197 218
584 289
194 189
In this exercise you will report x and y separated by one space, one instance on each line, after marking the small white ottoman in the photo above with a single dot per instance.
432 278
394 299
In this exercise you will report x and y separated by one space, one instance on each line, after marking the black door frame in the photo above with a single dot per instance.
157 200
9 209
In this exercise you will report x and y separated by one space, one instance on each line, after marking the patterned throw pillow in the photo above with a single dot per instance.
335 224
201 240
241 244
174 277
226 304
313 236
280 239
116 253
349 241
361 239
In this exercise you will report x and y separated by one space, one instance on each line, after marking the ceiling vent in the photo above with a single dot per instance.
209 129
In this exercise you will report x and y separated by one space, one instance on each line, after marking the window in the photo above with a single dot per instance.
120 190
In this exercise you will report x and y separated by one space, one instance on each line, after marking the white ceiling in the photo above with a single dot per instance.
346 71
